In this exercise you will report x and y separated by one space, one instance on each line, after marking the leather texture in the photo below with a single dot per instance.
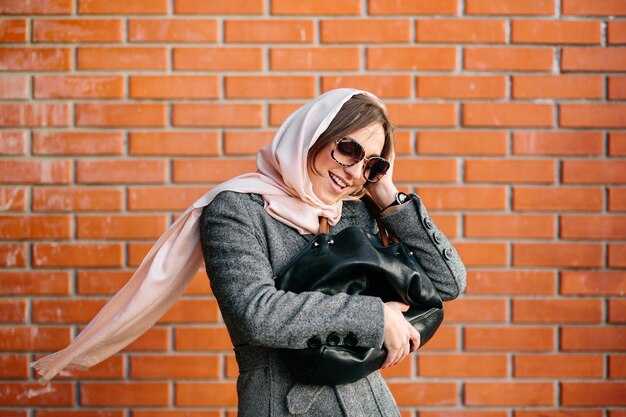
356 262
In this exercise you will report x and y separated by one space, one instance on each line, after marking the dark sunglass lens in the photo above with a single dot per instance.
376 168
350 152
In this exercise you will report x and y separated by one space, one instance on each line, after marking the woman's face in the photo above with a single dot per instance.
333 182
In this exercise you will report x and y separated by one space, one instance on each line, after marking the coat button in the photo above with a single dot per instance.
350 339
314 342
447 253
428 223
437 237
333 339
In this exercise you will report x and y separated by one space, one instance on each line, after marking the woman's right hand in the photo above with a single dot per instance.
400 337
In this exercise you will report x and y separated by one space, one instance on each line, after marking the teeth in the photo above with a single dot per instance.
338 181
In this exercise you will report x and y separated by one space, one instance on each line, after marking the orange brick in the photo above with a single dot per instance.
75 86
121 171
411 58
461 142
316 7
192 311
446 338
556 311
34 282
218 115
508 58
101 281
593 393
558 366
617 32
463 198
617 366
121 114
65 311
34 338
201 338
462 366
280 111
463 413
483 254
617 143
508 114
218 59
13 30
246 143
78 143
617 88
617 199
557 86
35 59
122 7
383 86
136 253
461 86
124 393
13 394
35 227
172 30
408 7
76 254
509 226
160 198
315 59
592 115
594 171
37 7
121 58
510 170
155 339
213 394
13 198
597 8
365 30
425 170
171 87
558 199
617 311
14 87
12 143
617 255
270 86
593 59
78 30
112 368
555 31
77 199
174 143
179 366
35 171
423 114
510 7
506 339
180 413
13 311
509 393
12 254
460 30
593 283
557 254
511 282
210 170
120 227
14 366
219 7
424 393
477 310
35 114
593 227
562 142
268 31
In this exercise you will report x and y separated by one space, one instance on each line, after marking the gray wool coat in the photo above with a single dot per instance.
244 248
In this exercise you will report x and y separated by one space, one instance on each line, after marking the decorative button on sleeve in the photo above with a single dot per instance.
314 342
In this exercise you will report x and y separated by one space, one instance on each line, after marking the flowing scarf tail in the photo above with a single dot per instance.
159 281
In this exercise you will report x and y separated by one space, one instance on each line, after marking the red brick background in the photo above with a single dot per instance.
117 114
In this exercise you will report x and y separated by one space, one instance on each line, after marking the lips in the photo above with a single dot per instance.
338 181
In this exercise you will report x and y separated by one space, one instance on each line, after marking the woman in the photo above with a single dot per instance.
327 153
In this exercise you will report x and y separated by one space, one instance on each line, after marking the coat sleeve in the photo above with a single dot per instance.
241 278
412 225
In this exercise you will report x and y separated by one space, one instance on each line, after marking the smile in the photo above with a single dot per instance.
337 180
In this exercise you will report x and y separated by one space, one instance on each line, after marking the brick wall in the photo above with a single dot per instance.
115 115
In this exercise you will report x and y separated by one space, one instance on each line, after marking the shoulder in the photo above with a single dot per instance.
233 204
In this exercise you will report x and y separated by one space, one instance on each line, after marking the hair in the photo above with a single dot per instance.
358 112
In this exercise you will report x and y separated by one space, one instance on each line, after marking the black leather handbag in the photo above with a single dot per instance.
356 262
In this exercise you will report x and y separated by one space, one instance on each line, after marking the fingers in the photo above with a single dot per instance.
398 305
400 337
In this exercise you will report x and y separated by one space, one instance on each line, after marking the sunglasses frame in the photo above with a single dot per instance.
366 159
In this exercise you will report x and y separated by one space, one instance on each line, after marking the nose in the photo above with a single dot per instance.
356 171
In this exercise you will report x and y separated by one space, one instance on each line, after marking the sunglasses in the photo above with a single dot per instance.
348 152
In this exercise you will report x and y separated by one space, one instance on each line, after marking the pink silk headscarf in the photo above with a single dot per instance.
171 263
